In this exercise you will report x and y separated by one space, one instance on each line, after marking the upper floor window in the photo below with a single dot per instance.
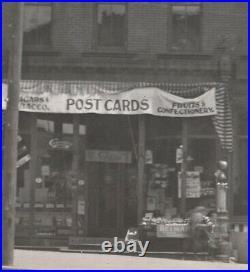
111 25
37 23
186 23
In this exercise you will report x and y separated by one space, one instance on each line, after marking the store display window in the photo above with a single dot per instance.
164 141
48 191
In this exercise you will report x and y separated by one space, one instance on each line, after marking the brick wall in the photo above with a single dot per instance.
5 23
224 21
147 27
73 26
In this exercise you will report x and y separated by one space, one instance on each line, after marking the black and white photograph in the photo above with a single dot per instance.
124 135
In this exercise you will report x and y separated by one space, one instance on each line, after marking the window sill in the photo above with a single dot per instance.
110 49
39 50
109 54
187 54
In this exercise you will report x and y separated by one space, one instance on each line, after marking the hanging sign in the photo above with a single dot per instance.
108 156
148 157
81 207
179 154
23 160
59 144
147 100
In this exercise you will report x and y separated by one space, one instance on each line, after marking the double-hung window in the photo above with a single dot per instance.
186 26
111 25
37 23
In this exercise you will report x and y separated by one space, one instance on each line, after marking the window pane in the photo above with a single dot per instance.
36 16
186 10
179 9
111 25
201 126
24 122
202 152
37 19
186 27
192 10
45 125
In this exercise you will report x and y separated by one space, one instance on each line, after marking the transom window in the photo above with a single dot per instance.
186 22
111 25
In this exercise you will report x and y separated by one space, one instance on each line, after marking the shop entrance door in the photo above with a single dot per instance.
106 199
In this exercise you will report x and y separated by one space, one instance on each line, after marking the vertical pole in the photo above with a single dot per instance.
224 247
234 174
141 167
184 165
86 189
11 131
229 181
33 170
75 170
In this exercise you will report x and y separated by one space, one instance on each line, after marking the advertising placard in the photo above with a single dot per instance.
193 184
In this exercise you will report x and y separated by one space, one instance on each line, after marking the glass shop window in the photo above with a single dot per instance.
55 153
24 122
161 127
201 126
163 164
202 158
103 132
111 25
37 23
186 22
55 161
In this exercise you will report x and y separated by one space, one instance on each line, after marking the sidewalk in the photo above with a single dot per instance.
27 259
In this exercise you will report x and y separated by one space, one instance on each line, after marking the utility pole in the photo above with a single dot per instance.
11 131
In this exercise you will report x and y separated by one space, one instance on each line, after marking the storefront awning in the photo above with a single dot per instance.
177 100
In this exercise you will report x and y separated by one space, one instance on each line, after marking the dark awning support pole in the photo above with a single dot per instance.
141 167
75 174
184 166
34 170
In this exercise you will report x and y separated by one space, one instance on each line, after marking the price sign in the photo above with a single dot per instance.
193 184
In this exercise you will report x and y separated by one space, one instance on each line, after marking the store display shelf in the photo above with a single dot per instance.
47 237
45 232
45 209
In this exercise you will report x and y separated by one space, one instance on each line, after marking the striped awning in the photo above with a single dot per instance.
222 121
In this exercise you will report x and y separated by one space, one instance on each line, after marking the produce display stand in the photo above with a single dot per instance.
166 236
175 234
